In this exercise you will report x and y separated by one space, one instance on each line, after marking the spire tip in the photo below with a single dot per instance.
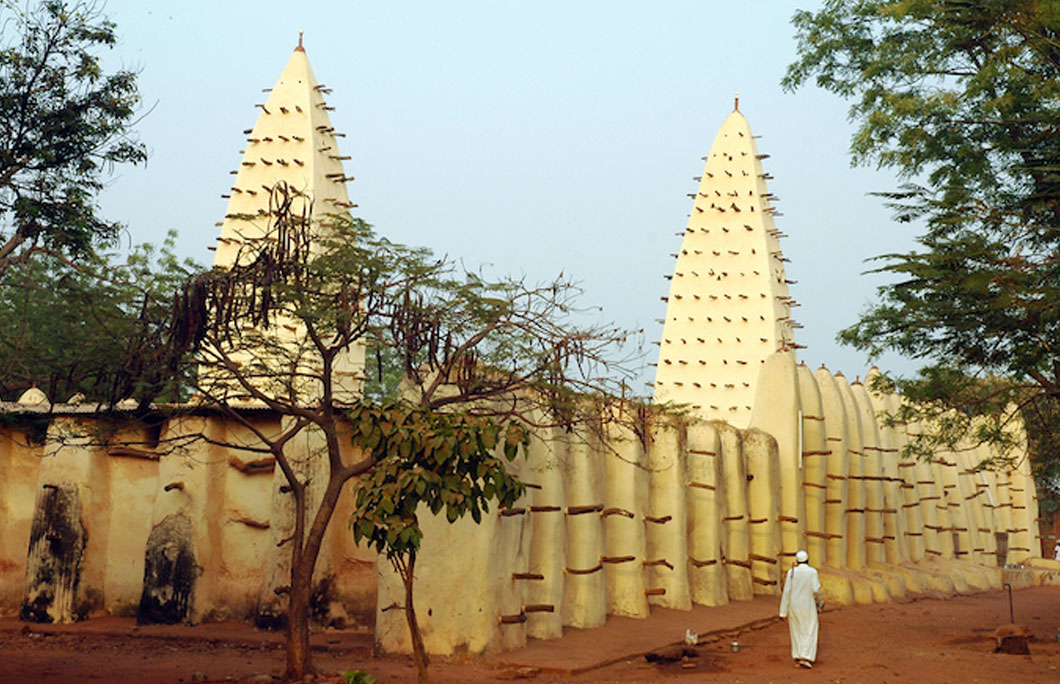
300 48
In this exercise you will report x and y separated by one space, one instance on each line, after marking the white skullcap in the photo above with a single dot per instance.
802 557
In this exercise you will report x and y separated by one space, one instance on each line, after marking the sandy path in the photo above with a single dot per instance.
921 641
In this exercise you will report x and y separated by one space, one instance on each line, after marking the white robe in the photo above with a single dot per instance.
799 606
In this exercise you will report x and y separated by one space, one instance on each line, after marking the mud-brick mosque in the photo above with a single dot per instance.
707 509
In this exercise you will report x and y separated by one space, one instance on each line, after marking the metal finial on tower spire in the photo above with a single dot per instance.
736 102
300 48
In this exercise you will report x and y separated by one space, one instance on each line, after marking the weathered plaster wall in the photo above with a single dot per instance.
674 512
654 510
19 463
159 524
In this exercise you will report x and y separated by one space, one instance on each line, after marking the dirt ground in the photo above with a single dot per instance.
927 640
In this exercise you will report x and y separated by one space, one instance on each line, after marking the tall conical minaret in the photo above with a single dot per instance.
293 143
728 307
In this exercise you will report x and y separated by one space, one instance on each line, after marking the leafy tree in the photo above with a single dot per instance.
962 99
63 124
273 331
96 329
440 460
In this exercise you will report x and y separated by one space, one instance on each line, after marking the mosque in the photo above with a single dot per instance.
704 508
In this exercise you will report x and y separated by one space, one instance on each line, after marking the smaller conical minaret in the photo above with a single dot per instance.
728 307
292 144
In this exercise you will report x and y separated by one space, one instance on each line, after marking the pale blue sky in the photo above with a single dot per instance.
536 137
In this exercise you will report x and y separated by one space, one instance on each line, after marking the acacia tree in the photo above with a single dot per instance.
962 99
63 124
274 329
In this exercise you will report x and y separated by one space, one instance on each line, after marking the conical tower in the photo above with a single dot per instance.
292 142
728 307
292 145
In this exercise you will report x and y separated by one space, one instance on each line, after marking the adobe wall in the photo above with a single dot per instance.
675 512
165 527
652 511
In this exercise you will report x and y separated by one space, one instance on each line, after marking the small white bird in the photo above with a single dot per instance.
691 638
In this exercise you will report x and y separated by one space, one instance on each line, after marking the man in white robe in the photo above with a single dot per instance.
798 603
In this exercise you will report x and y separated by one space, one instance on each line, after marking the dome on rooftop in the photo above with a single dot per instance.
33 396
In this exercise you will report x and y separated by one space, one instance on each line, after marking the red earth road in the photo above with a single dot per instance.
927 640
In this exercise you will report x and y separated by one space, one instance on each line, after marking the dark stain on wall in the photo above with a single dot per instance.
320 602
272 615
56 550
169 573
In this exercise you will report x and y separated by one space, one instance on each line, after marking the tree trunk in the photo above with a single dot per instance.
299 662
303 563
419 653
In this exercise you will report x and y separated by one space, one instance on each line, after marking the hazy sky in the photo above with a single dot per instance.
537 137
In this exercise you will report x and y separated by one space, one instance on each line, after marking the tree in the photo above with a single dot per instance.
95 329
962 99
63 124
440 460
278 328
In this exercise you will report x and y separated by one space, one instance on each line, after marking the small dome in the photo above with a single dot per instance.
33 396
